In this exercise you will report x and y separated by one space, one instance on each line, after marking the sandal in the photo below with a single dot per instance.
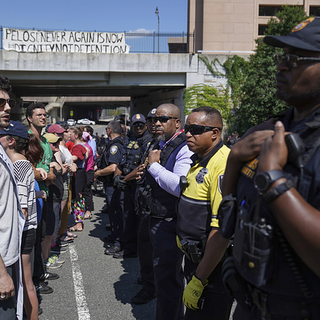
69 234
75 228
88 215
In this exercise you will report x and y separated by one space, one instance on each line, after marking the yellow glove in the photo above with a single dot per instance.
192 293
179 244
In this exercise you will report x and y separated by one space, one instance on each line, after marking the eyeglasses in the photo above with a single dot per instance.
196 129
291 60
3 102
162 119
138 124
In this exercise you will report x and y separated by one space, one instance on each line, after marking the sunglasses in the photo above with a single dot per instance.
196 129
162 119
3 102
291 60
138 124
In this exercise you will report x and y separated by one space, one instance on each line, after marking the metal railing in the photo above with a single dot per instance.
141 42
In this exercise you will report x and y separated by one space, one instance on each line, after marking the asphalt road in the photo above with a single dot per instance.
93 285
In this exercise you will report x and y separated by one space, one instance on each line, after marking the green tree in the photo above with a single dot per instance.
207 95
259 102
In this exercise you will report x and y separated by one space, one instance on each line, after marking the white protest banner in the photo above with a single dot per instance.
37 41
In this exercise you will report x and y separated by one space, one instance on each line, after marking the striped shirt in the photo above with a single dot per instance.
24 176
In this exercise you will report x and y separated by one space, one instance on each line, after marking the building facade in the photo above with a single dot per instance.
233 25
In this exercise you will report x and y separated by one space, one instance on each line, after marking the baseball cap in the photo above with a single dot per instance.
152 113
51 137
56 128
138 118
305 36
15 128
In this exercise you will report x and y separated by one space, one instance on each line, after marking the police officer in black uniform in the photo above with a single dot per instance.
274 272
126 180
143 209
109 159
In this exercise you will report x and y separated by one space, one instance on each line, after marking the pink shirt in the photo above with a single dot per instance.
90 162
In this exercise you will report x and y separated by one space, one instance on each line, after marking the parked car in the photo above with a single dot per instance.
61 122
85 121
71 122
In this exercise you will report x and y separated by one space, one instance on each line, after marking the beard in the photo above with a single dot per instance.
4 123
296 99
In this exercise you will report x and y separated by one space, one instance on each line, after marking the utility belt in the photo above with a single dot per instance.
269 305
193 249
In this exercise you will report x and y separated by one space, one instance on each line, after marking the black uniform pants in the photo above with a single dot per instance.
145 254
167 266
128 238
217 302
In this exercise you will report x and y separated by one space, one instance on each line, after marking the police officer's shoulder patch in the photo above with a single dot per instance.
220 182
113 150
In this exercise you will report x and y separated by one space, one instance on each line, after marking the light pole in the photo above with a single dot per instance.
157 13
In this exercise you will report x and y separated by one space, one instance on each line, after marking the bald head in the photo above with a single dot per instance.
171 108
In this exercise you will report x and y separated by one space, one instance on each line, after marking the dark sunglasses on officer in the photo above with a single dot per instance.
162 119
196 129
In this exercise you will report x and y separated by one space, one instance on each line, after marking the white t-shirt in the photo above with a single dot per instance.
24 176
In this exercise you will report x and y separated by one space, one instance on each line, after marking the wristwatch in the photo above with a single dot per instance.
277 191
263 180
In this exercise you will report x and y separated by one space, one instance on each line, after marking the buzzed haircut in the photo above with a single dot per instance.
32 106
115 126
5 84
212 113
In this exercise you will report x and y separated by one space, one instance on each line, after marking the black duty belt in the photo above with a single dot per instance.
277 306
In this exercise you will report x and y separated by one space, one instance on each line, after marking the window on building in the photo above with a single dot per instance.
269 10
315 11
262 29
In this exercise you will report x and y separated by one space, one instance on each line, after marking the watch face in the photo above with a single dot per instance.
261 182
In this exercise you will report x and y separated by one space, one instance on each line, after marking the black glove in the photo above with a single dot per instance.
119 182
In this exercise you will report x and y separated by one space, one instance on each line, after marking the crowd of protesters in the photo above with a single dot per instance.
175 193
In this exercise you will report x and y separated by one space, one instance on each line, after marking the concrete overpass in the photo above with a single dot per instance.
149 79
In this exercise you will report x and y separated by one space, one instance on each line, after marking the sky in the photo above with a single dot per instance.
95 15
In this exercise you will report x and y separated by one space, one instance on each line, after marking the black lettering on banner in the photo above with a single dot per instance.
87 47
52 47
77 38
108 38
98 49
71 37
100 38
8 32
120 39
63 36
84 37
114 38
91 37
65 48
42 36
32 38
115 49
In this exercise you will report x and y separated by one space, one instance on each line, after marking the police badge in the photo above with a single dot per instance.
200 175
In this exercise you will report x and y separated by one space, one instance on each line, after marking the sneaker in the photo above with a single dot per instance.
112 250
61 243
51 264
57 259
39 311
44 288
57 249
49 276
142 297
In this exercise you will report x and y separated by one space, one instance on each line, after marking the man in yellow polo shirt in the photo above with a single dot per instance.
197 225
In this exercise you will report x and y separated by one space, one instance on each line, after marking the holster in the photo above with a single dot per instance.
227 215
193 250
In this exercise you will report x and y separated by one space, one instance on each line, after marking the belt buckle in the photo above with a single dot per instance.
168 219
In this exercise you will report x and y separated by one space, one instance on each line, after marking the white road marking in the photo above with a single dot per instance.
82 306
